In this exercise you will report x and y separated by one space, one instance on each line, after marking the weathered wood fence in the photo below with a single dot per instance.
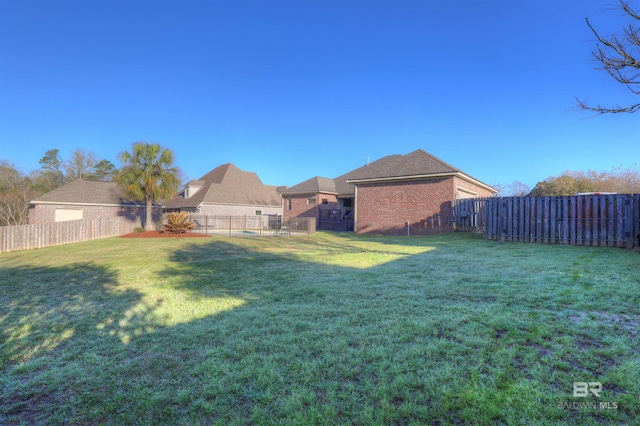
24 237
611 220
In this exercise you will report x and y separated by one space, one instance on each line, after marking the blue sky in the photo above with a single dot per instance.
291 89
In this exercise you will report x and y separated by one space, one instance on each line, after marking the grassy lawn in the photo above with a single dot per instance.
327 329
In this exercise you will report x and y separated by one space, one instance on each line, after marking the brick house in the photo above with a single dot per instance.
394 195
316 197
227 190
83 199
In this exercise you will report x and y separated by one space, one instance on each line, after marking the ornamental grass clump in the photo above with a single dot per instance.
177 223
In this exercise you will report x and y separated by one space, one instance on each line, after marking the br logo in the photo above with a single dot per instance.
583 389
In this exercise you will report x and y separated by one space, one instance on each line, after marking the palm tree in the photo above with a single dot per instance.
148 174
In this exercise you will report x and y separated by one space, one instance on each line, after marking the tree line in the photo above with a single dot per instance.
147 174
18 188
620 180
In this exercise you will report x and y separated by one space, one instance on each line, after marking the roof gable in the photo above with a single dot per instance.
227 184
315 185
217 175
418 163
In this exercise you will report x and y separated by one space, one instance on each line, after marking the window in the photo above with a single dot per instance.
62 215
311 201
347 202
289 204
325 201
258 212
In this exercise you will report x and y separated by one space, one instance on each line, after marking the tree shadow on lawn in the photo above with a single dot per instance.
310 342
57 324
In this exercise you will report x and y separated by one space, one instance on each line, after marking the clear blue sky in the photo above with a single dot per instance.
291 89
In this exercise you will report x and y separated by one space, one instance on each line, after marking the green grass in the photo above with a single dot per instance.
327 329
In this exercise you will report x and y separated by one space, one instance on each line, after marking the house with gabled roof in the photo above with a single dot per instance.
395 195
227 190
84 199
316 197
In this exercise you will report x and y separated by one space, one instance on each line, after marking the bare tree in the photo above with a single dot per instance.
513 189
81 165
619 56
15 191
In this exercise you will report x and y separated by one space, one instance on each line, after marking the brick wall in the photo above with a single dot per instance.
385 208
300 206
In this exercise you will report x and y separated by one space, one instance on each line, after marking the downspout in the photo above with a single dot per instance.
355 209
407 228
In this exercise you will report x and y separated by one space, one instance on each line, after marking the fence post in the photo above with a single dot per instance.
636 219
628 222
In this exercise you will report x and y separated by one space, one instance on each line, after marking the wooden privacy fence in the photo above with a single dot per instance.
24 237
611 220
468 214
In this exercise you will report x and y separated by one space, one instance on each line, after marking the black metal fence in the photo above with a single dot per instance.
253 226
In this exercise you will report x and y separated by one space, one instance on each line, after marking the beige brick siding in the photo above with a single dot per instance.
235 210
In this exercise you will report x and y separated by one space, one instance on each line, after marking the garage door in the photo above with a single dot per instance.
67 214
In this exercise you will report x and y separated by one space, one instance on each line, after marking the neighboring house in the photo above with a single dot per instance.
317 198
394 195
227 190
83 199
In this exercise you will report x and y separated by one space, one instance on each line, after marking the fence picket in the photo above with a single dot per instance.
553 220
24 237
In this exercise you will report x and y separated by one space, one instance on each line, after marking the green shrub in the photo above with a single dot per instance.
177 223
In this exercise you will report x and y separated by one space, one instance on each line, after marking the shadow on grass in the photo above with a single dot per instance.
423 338
51 317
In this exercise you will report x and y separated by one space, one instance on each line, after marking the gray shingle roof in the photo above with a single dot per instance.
416 163
86 192
314 185
227 184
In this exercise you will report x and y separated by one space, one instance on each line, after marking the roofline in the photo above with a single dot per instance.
308 193
57 203
428 176
237 204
